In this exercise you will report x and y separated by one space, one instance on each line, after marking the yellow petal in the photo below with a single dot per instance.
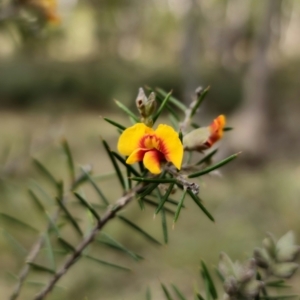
151 161
170 144
135 156
130 138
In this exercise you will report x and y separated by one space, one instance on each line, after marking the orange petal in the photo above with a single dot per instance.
152 161
130 138
169 144
216 129
136 155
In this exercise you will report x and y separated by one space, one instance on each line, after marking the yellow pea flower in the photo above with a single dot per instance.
141 143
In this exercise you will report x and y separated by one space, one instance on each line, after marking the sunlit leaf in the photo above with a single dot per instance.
162 106
115 124
127 111
173 100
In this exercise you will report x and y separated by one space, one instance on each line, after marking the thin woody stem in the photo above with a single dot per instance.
109 214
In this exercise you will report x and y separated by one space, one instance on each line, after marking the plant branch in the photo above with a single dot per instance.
109 214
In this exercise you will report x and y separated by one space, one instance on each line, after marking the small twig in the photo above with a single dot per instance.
194 187
110 214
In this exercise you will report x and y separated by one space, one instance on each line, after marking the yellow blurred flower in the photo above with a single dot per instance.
142 143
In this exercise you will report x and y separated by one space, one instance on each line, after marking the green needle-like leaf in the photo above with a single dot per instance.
163 215
67 246
49 250
277 283
214 167
154 180
180 205
127 111
162 106
228 128
112 242
149 188
198 202
69 216
15 244
44 171
138 229
105 263
115 124
279 297
178 292
199 297
87 205
148 294
166 292
127 166
173 100
164 198
207 157
97 189
68 153
16 222
211 285
199 101
116 166
154 204
37 267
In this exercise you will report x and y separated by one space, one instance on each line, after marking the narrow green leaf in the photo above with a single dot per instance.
277 284
198 296
69 216
105 263
82 177
45 195
42 284
67 246
162 106
207 157
37 267
68 153
115 124
13 221
129 181
44 171
211 285
15 244
148 294
180 205
127 111
228 128
206 285
87 205
97 189
164 198
119 246
49 250
127 166
173 100
138 229
279 297
214 167
154 204
163 216
116 166
148 190
180 136
198 202
178 292
199 101
155 180
166 292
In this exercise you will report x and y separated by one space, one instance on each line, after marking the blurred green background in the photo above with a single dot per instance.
58 79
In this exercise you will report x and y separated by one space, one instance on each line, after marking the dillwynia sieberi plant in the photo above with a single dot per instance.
152 163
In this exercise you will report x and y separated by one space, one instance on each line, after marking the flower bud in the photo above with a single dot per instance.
146 106
225 266
284 270
231 286
262 258
252 288
286 250
204 137
269 245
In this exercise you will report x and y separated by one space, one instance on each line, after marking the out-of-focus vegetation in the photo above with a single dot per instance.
56 79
